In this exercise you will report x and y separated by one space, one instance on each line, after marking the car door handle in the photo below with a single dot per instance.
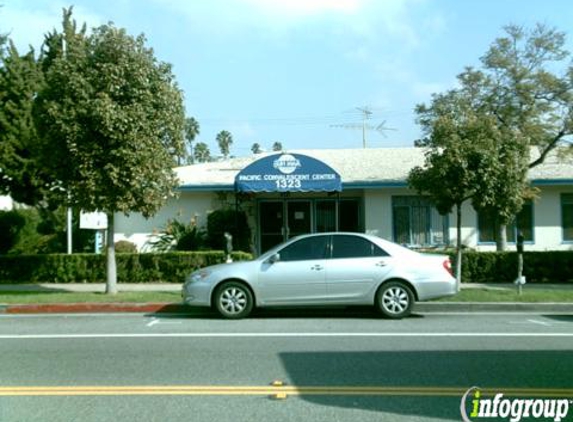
381 264
317 267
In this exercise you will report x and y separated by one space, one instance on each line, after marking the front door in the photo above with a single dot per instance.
281 220
298 218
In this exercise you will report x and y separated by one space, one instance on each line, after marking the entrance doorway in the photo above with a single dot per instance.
279 220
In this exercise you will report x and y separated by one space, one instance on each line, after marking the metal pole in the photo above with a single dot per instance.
69 230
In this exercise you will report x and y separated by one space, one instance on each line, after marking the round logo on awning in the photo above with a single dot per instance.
286 164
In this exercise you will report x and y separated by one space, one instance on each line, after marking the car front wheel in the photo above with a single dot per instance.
395 300
233 300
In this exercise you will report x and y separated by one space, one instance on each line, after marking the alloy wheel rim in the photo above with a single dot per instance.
233 300
395 300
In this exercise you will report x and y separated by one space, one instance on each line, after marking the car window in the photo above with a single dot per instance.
305 249
354 247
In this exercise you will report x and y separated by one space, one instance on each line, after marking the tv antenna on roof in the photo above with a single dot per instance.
366 113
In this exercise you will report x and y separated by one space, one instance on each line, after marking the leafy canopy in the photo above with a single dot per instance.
111 119
20 80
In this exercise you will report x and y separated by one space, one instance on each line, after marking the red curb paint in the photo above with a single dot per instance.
56 308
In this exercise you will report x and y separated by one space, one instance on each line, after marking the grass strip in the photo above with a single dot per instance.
511 295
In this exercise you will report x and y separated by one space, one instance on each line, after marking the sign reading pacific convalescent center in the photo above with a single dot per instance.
288 173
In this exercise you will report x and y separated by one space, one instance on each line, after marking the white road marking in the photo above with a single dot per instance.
534 321
153 322
156 321
272 335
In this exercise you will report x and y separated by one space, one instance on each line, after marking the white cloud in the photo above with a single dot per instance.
391 19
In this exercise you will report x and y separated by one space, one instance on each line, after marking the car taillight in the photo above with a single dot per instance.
448 266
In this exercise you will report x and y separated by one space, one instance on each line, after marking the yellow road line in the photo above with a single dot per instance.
199 390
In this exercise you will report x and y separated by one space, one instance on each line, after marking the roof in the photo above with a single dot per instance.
358 168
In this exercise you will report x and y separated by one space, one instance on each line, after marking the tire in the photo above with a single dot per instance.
395 300
233 300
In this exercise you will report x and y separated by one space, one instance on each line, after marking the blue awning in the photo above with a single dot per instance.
288 173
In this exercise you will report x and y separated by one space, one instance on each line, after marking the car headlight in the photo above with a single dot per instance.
198 276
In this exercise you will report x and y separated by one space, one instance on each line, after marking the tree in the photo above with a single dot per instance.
457 161
277 146
111 117
202 153
256 148
224 140
530 105
522 89
20 175
192 129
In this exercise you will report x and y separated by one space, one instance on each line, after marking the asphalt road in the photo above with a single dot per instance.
334 365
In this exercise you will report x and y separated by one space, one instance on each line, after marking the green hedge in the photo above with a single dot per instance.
90 268
478 267
538 267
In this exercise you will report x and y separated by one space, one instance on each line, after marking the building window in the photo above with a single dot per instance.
567 216
417 223
488 225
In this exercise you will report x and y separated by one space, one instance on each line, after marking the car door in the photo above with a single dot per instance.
296 275
355 269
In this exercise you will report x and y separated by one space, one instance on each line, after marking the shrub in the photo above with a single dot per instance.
179 237
538 267
90 268
230 221
29 231
125 246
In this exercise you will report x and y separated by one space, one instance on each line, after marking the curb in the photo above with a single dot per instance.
179 308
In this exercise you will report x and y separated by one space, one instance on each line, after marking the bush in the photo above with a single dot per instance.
178 236
230 221
125 246
538 267
11 222
90 268
31 231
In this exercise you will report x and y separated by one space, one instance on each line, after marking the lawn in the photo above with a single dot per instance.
536 295
533 295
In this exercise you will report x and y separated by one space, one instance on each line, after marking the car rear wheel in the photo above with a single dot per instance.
395 300
233 300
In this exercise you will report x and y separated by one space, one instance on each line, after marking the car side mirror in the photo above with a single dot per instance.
274 258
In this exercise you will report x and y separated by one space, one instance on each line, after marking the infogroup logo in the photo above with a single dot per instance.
474 407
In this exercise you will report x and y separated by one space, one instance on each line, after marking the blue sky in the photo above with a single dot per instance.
296 71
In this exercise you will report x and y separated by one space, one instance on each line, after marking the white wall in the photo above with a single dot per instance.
378 211
377 218
546 219
188 206
548 234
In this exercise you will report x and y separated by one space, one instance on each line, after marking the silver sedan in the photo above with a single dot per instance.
324 269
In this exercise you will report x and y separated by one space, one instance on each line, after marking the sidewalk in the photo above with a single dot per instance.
179 308
176 287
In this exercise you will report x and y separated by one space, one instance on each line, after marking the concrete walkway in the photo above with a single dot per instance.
176 287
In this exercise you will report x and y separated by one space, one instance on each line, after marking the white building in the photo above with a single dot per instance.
374 198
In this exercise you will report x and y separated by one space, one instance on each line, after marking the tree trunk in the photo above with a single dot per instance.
458 246
111 284
501 238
